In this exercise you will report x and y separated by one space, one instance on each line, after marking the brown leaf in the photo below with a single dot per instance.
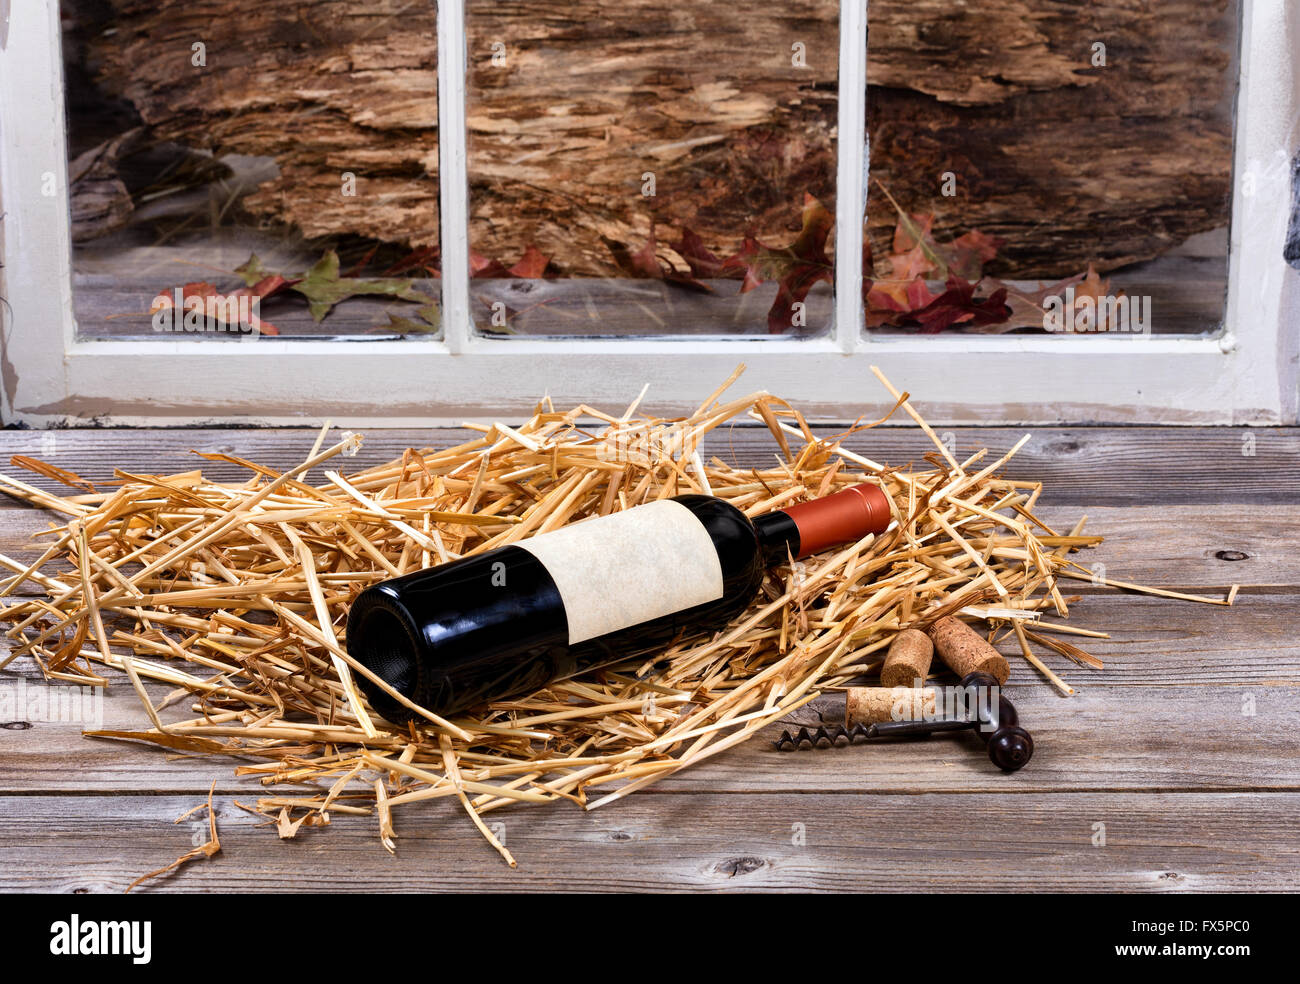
970 251
1027 309
800 265
532 265
645 264
889 302
218 307
702 261
425 259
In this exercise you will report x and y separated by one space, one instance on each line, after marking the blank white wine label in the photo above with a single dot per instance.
629 567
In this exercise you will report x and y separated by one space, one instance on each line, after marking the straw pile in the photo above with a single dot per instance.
236 595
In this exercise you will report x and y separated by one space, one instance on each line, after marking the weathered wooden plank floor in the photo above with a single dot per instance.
1177 767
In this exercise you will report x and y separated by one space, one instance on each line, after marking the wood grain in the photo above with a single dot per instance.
1186 745
1106 738
852 842
1080 466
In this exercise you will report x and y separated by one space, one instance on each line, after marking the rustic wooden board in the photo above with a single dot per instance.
1187 744
1090 466
1169 711
1191 547
697 842
1186 739
1196 547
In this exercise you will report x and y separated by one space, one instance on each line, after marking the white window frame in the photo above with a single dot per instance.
1245 375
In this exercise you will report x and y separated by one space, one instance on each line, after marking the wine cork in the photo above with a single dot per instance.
873 705
965 651
908 660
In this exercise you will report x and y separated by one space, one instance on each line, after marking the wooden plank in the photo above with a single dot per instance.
1157 843
1114 738
1195 547
1189 699
1092 466
1190 546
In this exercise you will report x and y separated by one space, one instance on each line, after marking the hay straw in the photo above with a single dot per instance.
247 586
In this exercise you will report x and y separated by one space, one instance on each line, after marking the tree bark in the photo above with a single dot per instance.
573 109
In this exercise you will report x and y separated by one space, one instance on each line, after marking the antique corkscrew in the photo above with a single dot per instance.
1009 745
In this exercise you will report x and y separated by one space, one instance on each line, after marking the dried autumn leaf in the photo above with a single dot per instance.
430 321
957 306
799 266
1027 306
904 298
745 264
970 251
645 264
225 309
703 262
324 288
532 265
426 259
888 301
910 235
1094 289
482 267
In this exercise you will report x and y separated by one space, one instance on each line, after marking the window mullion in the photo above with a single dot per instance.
453 174
850 196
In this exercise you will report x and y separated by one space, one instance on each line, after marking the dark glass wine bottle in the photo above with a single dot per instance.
512 619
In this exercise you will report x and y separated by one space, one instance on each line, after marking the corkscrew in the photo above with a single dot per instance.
1009 745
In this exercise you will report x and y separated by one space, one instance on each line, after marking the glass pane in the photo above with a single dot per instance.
652 168
1070 168
274 172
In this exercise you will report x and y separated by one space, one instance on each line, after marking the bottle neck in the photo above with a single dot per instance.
778 535
811 527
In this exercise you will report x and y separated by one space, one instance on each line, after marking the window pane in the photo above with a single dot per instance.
287 154
1078 152
644 168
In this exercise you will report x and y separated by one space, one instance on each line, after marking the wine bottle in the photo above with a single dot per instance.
510 620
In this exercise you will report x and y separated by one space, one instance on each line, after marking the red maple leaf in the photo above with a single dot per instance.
745 264
704 263
218 307
800 265
426 258
957 306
